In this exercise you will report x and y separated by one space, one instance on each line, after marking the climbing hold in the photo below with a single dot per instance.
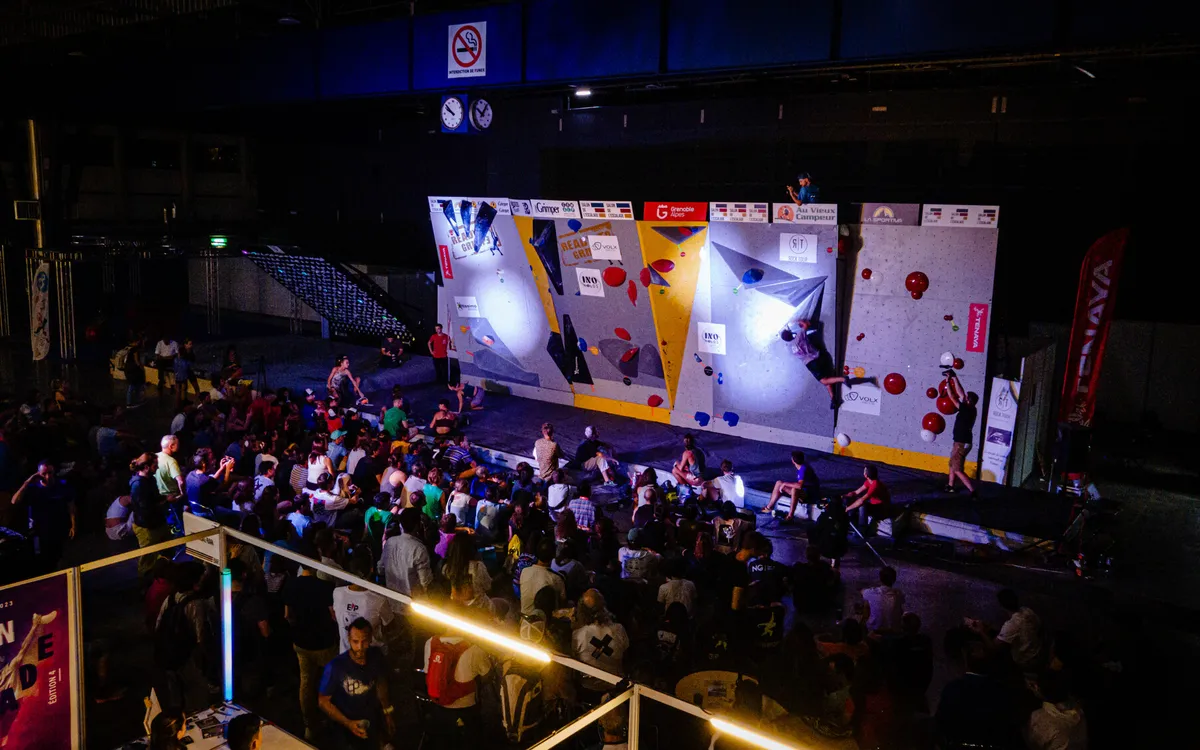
684 231
631 290
594 350
928 436
654 400
829 250
842 439
644 276
859 372
622 334
697 356
958 363
752 276
731 418
786 334
577 294
945 405
934 422
682 254
860 337
947 359
931 392
954 327
613 276
720 378
947 317
944 388
866 274
661 291
663 265
894 383
627 381
464 329
663 343
575 225
630 354
582 344
708 370
703 418
916 282
916 295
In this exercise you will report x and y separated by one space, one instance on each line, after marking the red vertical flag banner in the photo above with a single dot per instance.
1094 308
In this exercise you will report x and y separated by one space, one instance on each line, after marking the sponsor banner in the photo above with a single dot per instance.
590 284
204 550
606 210
38 656
540 208
798 248
444 258
895 214
710 338
575 247
675 212
1094 306
39 313
740 213
946 215
977 327
502 205
467 54
521 206
998 429
862 399
604 247
809 213
466 307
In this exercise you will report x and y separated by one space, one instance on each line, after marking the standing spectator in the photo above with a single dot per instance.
135 375
308 606
184 643
439 346
251 632
390 350
354 692
353 602
185 372
167 476
51 511
452 667
165 353
599 642
885 604
964 424
539 575
547 453
406 559
149 517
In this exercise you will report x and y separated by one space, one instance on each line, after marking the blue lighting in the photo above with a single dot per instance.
227 629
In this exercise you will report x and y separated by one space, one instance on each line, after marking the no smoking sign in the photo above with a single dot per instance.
467 55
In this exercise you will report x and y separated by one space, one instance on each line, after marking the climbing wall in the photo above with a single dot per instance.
739 374
919 292
490 302
595 292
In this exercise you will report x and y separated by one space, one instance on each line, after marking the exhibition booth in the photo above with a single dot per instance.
43 690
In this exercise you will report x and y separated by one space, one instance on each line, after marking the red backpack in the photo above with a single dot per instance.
443 689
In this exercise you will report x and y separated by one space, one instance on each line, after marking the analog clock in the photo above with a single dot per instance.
481 114
452 113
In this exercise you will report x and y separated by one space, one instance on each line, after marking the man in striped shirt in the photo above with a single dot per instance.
583 508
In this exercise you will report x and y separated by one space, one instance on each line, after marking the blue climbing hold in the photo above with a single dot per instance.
703 418
731 418
582 344
720 378
752 276
575 225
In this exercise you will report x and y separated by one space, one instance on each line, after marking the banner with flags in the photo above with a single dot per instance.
39 312
1094 307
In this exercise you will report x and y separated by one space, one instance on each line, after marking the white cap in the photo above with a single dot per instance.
588 432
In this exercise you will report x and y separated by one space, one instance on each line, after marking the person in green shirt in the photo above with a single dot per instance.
394 419
378 517
168 477
434 496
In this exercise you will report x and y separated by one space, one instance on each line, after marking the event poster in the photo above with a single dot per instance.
39 323
36 711
999 428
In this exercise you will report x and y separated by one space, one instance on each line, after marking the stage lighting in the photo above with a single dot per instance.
479 631
754 738
218 242
583 93
227 631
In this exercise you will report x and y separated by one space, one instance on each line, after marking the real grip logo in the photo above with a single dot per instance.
675 211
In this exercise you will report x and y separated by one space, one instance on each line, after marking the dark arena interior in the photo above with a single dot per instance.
650 375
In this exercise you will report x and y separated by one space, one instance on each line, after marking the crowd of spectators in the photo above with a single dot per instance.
644 579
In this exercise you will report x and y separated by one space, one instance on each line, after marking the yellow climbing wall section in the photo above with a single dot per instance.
672 306
540 277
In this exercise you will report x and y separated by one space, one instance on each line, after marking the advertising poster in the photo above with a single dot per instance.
39 305
999 428
36 664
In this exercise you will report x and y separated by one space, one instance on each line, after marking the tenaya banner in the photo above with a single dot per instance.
1094 306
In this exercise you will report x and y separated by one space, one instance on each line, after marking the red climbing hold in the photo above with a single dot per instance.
654 400
947 317
916 295
894 383
622 334
629 354
958 363
663 265
931 392
917 283
945 405
631 290
614 276
934 422
645 277
860 336
866 274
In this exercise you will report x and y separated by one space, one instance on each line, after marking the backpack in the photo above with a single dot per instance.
522 709
439 679
174 638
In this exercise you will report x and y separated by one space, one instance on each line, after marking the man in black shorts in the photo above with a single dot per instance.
964 423
818 361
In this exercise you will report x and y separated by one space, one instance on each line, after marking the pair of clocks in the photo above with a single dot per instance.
455 111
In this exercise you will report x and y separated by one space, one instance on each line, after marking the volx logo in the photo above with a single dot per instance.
860 396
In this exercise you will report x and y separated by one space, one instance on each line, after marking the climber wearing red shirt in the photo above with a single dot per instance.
439 348
873 500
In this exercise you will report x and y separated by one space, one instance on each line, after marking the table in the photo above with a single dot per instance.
273 738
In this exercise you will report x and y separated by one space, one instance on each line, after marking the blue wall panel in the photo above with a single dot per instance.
569 40
431 44
279 69
363 60
912 27
745 33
